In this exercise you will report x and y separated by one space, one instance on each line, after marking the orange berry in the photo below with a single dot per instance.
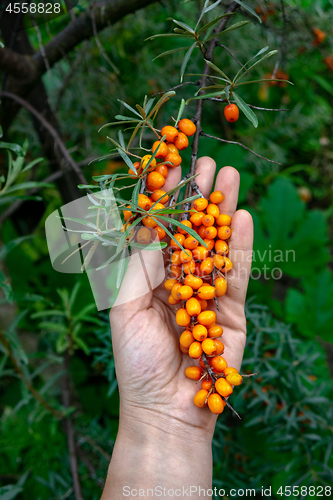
200 204
219 347
223 387
186 339
170 132
127 214
144 202
174 290
183 349
156 195
209 346
162 149
195 350
207 266
207 318
189 267
203 303
169 283
231 113
227 265
175 271
160 233
229 370
185 256
193 372
190 243
174 159
234 379
201 363
184 293
182 317
202 231
144 161
138 169
216 197
216 404
172 149
208 220
163 170
186 223
207 385
209 243
221 247
220 286
175 258
213 210
187 127
196 218
210 232
172 301
223 220
158 206
193 281
199 332
218 363
200 398
215 331
206 292
180 238
218 261
193 306
143 236
181 142
155 180
224 232
149 222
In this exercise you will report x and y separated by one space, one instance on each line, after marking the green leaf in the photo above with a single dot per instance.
231 28
266 56
130 108
5 249
32 164
186 59
9 199
206 96
174 35
249 9
250 115
13 147
218 70
172 51
28 185
127 160
214 21
180 112
185 26
10 492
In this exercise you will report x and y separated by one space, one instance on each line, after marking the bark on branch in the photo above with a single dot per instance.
99 15
17 65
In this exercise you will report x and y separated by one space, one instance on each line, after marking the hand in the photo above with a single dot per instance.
149 365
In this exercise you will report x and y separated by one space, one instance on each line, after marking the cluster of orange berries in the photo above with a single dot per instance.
167 156
198 277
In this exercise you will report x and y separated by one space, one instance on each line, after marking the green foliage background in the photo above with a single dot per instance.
285 436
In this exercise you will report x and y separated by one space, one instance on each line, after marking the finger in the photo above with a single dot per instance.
174 177
206 167
240 254
227 181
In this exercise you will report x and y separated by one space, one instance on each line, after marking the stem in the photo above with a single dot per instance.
27 382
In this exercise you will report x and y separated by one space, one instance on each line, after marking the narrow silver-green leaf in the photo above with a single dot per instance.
242 4
231 28
186 60
250 115
168 52
180 112
218 70
127 160
129 107
214 21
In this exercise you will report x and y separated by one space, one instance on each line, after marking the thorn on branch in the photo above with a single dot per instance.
239 144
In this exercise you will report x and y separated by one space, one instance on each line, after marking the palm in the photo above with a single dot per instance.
149 364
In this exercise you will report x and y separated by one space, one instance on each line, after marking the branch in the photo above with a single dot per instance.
249 105
69 160
197 117
66 401
104 13
27 382
239 144
17 65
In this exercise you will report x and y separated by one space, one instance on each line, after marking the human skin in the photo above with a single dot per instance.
164 439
